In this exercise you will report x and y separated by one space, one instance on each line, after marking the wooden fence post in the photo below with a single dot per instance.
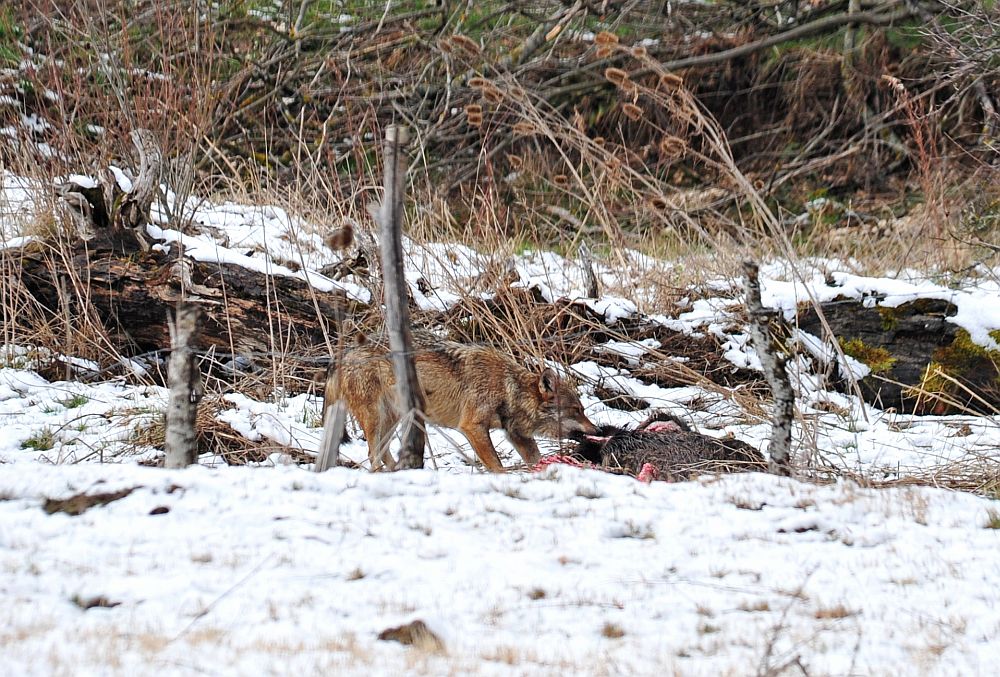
390 217
334 420
184 380
772 360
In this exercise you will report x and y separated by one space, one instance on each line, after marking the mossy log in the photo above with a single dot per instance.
920 361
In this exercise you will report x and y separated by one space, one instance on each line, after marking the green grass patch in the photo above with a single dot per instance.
74 401
10 35
43 440
906 36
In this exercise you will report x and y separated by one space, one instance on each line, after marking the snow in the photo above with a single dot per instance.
630 350
978 303
272 569
34 124
19 199
82 180
275 571
201 248
121 178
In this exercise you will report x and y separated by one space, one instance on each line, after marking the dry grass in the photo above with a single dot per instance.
979 476
833 613
612 631
216 438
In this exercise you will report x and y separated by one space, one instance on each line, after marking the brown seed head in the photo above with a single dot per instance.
672 146
478 82
561 179
639 52
340 238
474 114
524 128
616 76
492 95
603 51
670 81
606 38
468 44
631 111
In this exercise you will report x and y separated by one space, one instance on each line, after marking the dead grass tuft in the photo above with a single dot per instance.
833 613
612 631
215 437
80 503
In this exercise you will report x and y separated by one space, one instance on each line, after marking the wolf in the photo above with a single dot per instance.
471 388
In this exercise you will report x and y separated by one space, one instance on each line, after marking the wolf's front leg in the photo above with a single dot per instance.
525 446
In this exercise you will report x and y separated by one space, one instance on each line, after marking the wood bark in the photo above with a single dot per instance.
108 216
773 362
903 344
592 288
244 311
410 399
853 7
334 420
134 210
184 379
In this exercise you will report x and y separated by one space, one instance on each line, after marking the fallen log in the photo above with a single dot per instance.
245 312
97 266
920 362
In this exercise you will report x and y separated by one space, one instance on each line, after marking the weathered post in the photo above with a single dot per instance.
184 380
773 362
592 288
410 399
334 419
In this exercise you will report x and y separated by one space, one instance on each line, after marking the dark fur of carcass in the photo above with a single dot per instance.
675 453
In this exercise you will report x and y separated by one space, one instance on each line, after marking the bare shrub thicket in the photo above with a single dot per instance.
298 93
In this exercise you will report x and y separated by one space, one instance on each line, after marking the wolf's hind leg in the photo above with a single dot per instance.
378 454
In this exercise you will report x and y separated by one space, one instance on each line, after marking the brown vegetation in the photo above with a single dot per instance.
701 135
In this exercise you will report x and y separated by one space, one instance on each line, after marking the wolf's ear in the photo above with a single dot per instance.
548 383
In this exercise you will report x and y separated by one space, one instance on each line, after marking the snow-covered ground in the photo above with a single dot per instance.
238 571
273 569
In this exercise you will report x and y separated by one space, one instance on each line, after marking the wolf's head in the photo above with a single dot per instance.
589 446
561 413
